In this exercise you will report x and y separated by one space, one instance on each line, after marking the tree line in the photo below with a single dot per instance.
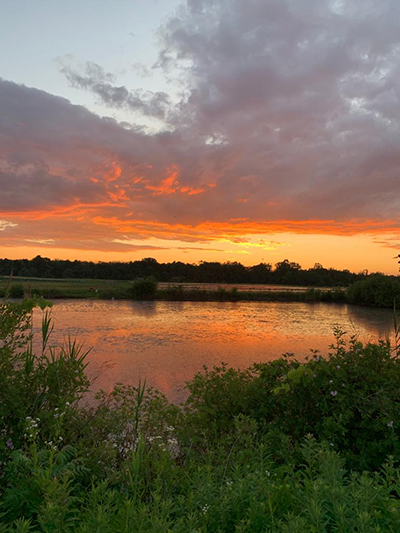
282 273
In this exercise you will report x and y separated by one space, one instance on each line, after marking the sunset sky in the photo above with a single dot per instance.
215 130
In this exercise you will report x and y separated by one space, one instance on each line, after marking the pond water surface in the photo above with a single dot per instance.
166 343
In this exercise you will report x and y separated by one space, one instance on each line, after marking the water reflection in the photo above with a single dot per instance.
167 342
382 319
146 309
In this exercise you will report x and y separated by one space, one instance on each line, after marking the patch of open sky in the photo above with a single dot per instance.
119 35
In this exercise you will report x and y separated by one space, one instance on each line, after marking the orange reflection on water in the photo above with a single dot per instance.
166 343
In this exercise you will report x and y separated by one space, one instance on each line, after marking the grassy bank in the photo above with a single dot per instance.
115 289
281 447
223 295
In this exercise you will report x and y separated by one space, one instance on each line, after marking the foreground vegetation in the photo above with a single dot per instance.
281 447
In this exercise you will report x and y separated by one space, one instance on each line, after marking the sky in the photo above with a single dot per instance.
201 130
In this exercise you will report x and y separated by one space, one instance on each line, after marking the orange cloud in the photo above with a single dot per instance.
191 191
169 185
78 209
211 231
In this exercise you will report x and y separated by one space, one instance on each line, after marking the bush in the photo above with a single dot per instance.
16 290
377 290
143 289
34 388
350 399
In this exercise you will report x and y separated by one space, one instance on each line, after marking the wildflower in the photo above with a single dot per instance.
9 444
331 381
334 393
317 358
205 508
390 424
56 415
337 366
331 444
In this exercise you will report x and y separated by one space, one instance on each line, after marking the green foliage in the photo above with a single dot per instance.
16 290
377 290
244 491
34 386
350 399
143 288
286 446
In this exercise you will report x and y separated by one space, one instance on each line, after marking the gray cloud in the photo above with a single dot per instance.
94 79
306 91
290 111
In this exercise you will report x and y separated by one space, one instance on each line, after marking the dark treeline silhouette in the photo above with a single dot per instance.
283 273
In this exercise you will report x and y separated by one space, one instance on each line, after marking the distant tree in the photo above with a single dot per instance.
286 272
261 273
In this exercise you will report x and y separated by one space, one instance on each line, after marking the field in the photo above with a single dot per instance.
120 289
66 288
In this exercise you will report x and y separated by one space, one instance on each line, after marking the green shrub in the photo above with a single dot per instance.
174 292
34 387
143 289
350 399
16 290
377 290
244 491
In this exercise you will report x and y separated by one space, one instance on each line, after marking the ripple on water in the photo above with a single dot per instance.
167 342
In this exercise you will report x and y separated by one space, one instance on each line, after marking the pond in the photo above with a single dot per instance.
166 343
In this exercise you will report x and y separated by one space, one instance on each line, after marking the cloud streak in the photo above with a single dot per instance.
94 79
